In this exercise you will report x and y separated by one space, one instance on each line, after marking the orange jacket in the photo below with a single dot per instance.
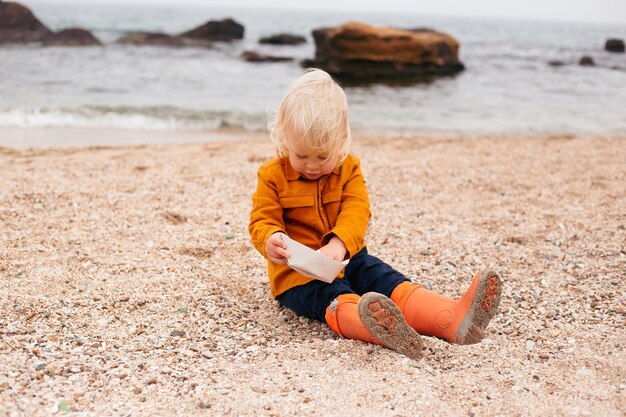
310 212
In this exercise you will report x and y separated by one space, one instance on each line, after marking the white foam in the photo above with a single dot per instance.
90 118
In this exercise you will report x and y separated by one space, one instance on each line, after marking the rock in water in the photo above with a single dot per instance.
253 56
283 39
18 24
217 30
614 45
361 52
71 37
586 61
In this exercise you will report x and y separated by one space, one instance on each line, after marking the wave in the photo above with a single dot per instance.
167 118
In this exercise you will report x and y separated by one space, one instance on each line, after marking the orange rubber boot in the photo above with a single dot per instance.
461 321
343 318
373 318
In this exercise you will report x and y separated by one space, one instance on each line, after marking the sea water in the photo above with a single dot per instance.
508 87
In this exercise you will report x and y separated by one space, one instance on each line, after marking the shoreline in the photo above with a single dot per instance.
77 137
39 137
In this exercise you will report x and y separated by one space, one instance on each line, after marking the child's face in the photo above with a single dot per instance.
310 164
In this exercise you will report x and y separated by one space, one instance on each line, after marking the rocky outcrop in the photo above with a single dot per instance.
614 45
71 37
252 56
283 39
360 52
18 24
221 30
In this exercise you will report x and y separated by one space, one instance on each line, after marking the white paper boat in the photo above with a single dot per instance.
311 263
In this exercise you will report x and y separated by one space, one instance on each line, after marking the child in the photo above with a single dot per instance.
315 193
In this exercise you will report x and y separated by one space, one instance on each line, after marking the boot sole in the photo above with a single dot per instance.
384 320
483 308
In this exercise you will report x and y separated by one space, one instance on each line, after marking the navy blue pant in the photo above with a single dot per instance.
364 273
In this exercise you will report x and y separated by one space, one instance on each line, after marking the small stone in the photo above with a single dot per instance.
487 341
177 333
207 354
530 345
544 356
586 61
137 390
204 404
75 369
584 372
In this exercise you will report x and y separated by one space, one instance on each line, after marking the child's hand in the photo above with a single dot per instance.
335 249
276 249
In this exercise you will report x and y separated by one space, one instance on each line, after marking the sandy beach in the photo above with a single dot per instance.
129 286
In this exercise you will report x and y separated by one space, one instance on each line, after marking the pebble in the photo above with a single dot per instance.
584 372
530 345
177 333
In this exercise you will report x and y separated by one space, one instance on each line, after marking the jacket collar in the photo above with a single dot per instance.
293 175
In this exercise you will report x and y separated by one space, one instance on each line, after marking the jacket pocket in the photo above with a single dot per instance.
298 209
297 201
332 204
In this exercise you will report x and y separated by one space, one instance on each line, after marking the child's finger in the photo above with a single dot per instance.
276 240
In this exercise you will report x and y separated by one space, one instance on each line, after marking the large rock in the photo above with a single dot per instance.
19 25
360 52
71 37
220 30
614 45
283 39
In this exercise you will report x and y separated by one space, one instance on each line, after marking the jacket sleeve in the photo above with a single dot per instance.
266 217
354 212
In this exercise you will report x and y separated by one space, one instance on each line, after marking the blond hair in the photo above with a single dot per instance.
314 111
